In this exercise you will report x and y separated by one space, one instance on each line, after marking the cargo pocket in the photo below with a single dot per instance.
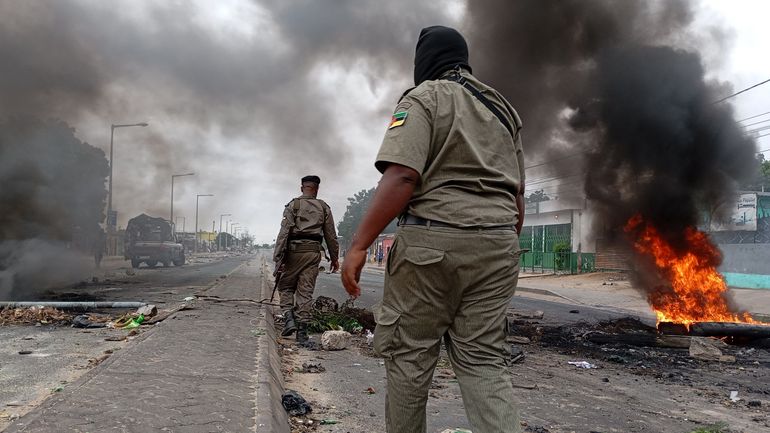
422 256
386 333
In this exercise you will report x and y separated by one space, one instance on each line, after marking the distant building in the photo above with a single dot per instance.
556 236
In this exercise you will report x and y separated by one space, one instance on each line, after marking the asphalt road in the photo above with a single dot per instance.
157 285
557 310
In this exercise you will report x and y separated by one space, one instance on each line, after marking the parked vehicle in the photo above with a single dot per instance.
151 240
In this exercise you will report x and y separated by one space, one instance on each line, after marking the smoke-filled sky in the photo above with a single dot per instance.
251 95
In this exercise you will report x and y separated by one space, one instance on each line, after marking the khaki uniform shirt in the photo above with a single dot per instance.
313 217
471 167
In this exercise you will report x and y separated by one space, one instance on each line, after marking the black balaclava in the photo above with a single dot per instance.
439 49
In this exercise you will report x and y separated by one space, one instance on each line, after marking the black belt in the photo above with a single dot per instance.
411 220
302 237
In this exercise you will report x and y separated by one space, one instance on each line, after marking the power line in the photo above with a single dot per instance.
554 160
551 179
753 117
758 129
741 91
755 123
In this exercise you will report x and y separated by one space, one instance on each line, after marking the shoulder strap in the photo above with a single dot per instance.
457 78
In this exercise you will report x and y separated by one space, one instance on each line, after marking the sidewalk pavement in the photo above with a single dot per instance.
214 367
614 290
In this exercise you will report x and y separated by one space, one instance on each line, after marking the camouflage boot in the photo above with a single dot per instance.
289 324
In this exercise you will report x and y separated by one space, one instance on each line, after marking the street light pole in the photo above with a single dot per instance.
219 241
232 228
112 145
197 200
174 176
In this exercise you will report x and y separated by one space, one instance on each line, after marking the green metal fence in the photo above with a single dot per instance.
549 250
562 262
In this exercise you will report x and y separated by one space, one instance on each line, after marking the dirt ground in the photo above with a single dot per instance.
632 389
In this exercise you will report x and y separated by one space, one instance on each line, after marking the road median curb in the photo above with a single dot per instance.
270 416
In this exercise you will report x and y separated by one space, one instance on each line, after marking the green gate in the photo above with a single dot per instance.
550 250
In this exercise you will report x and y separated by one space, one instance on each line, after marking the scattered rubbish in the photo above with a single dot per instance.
617 359
115 338
516 354
325 304
25 352
93 362
33 315
309 345
456 430
147 311
295 404
355 364
130 272
605 379
85 321
517 339
582 364
574 311
522 314
705 348
308 367
369 337
370 391
57 389
524 385
734 396
335 340
71 305
329 422
128 321
189 299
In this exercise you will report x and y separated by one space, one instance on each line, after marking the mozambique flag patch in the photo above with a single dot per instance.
398 119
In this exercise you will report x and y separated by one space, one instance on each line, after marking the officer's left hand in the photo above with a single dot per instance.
335 266
351 271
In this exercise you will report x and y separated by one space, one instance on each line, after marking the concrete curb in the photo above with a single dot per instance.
270 415
546 292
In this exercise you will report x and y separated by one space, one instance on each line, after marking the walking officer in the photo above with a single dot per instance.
307 222
453 169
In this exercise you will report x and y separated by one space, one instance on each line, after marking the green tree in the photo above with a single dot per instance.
536 197
760 179
354 214
764 175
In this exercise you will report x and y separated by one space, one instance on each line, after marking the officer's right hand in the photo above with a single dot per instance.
351 271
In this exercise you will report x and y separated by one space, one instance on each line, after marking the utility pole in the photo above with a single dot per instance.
174 176
111 225
219 238
197 199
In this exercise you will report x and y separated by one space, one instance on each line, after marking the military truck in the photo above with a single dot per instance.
151 240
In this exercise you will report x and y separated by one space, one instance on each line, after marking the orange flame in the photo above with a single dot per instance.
697 291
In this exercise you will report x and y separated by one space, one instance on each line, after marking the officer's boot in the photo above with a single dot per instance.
289 324
302 333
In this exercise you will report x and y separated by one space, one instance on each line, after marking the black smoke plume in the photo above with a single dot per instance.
622 86
51 203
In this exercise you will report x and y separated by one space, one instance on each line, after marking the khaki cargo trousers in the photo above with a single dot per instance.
451 284
298 280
